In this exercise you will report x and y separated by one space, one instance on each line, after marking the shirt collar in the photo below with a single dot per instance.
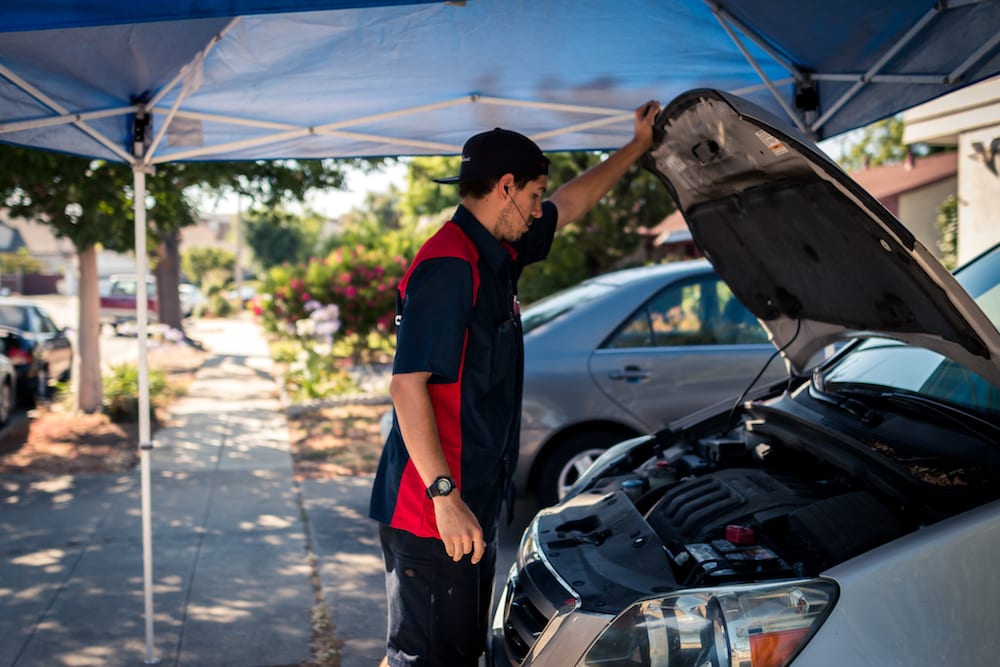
490 248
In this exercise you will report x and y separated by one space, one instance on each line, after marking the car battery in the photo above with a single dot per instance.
737 556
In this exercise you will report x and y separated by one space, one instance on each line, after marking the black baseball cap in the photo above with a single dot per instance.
497 152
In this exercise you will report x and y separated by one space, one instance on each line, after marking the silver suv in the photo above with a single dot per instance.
849 516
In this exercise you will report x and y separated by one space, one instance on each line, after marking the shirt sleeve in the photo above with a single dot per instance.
534 246
437 308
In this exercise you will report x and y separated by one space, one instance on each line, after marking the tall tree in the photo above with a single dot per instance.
90 203
874 145
277 236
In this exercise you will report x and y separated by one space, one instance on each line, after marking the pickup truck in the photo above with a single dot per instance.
118 300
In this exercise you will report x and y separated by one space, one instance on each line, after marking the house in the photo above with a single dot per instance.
969 119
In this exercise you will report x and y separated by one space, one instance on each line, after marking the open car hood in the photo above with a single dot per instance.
804 247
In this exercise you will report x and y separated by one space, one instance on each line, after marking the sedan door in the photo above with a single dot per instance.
53 346
691 345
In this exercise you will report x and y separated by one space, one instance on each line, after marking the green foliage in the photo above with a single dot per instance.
423 196
217 305
285 351
315 374
276 236
873 145
602 240
121 391
19 262
947 226
208 267
86 201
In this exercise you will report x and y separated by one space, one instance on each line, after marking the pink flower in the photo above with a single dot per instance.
352 292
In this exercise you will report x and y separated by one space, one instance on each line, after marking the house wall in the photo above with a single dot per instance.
918 210
961 118
978 194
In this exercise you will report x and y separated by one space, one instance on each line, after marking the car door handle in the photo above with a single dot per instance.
630 374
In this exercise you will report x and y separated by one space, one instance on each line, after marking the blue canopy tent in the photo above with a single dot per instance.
148 83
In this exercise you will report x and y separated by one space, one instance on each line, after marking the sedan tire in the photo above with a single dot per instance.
6 402
570 459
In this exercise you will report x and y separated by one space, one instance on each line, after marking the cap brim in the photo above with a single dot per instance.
447 181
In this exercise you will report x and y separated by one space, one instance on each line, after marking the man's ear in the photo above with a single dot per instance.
506 184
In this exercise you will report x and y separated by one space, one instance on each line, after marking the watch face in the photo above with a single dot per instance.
443 485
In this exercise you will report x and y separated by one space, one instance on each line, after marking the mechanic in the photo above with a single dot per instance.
448 464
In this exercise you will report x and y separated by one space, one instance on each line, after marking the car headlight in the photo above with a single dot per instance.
739 626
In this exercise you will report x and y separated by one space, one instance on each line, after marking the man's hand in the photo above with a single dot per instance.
645 115
459 529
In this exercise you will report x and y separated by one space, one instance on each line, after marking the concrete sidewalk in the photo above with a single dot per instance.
235 541
230 565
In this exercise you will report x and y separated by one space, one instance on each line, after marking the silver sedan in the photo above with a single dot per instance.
625 353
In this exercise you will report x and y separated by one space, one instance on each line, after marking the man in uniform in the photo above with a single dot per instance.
448 464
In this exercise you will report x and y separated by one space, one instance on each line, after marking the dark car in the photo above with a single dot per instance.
8 386
849 515
40 350
623 354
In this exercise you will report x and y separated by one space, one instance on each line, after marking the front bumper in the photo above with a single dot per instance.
561 641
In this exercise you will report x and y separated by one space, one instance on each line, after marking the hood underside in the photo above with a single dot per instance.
803 246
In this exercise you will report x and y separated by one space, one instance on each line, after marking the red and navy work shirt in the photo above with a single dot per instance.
460 322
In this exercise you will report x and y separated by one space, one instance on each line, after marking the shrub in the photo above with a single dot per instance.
360 281
121 391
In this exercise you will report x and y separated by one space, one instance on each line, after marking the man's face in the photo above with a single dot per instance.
522 207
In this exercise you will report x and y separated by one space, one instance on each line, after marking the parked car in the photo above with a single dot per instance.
623 354
847 516
118 300
40 350
191 298
8 386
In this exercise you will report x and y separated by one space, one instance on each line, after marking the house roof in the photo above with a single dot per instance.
891 180
38 237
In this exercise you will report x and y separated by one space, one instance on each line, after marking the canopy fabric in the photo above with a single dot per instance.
153 82
260 79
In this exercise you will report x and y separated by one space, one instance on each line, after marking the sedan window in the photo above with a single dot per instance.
14 317
697 312
556 305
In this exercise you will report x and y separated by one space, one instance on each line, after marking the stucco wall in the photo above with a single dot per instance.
918 211
978 195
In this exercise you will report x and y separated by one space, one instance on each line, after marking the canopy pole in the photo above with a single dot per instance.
139 170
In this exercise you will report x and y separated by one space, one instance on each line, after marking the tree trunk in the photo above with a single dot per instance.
168 276
90 393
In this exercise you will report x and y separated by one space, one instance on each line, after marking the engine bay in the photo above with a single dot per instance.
764 500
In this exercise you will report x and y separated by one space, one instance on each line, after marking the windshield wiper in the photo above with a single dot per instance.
865 413
924 406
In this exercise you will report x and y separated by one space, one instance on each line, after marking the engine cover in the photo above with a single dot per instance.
810 525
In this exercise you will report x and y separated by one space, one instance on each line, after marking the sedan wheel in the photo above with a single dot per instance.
568 462
42 383
6 402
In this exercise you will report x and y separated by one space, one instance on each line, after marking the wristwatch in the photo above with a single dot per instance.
441 486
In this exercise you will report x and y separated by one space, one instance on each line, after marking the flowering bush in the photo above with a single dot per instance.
313 372
359 281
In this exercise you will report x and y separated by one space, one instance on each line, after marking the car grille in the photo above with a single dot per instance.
534 596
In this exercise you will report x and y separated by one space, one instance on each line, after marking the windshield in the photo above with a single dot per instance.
890 364
558 304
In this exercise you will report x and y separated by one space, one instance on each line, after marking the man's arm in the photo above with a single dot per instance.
460 530
582 193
